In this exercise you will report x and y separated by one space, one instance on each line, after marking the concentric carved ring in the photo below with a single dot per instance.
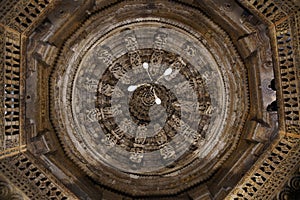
148 99
146 120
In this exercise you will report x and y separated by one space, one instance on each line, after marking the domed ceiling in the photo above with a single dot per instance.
150 99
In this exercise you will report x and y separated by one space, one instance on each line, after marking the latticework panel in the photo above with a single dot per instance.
270 173
12 141
36 182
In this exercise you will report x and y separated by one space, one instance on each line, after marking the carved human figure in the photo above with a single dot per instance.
190 49
206 108
209 77
141 134
91 84
161 137
190 135
105 56
113 111
137 155
167 152
106 89
175 122
109 140
160 39
131 42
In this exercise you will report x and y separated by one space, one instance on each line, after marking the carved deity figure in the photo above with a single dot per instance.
91 84
160 39
141 134
105 56
190 49
105 89
167 152
131 42
109 140
137 155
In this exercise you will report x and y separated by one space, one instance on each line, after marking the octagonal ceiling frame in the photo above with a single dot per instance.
278 163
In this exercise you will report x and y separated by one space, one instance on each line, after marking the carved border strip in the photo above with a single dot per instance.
270 172
2 136
287 6
12 139
266 10
25 14
285 170
5 7
286 49
35 181
20 17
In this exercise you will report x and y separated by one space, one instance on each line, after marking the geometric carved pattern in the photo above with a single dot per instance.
264 180
11 141
24 13
5 7
289 81
270 172
11 72
34 181
268 9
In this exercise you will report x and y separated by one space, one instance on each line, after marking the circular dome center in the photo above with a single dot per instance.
150 113
154 98
147 100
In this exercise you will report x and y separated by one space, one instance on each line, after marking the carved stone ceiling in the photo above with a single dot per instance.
149 99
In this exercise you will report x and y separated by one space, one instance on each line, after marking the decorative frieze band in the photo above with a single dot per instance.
269 173
33 180
11 141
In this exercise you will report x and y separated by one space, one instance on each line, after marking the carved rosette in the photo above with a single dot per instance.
147 99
